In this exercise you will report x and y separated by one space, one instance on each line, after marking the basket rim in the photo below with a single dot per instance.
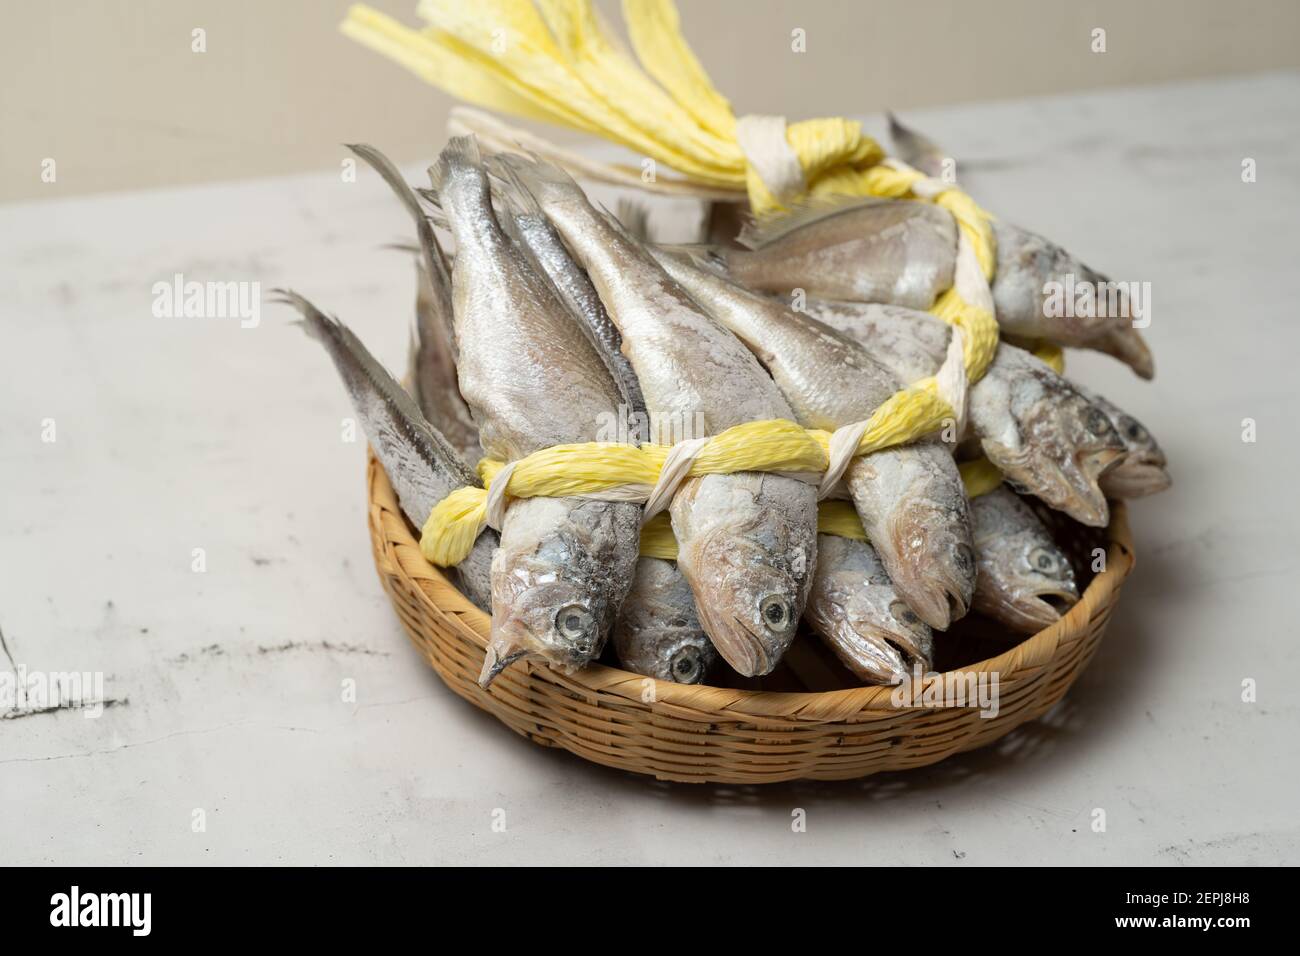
1031 654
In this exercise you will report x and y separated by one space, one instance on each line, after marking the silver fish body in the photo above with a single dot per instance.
747 541
532 380
422 466
1025 581
1041 432
862 250
1026 263
910 498
855 609
658 632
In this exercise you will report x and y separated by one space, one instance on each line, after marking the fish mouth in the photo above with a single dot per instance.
494 665
936 602
936 588
1135 479
512 641
885 652
1088 504
1071 487
1040 609
871 654
746 652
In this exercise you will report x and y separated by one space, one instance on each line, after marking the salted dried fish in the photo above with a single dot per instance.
1027 264
1043 434
532 380
422 466
1025 581
856 610
910 498
904 253
747 541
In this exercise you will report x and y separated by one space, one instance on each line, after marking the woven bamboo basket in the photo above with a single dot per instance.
702 734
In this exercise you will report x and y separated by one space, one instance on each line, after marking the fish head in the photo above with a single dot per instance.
555 592
1064 444
749 596
658 631
1142 470
674 649
934 569
1025 579
888 634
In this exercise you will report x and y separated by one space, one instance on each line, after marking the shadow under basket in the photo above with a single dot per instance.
703 734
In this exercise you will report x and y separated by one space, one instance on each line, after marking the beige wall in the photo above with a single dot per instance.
111 91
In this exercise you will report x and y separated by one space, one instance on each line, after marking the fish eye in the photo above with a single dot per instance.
1133 429
686 665
777 612
573 621
1040 559
1097 422
902 613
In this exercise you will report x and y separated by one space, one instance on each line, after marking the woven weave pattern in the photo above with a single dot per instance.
711 734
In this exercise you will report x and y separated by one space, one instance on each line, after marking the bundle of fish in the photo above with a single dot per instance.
553 315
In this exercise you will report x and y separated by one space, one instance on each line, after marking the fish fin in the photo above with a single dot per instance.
535 178
399 245
459 151
758 233
434 202
359 367
635 217
432 256
914 148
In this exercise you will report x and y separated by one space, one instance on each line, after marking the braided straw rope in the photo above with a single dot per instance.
702 734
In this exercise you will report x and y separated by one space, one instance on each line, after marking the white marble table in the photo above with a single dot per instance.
174 434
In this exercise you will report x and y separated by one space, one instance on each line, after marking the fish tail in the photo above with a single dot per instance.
461 184
367 380
533 180
435 324
913 148
391 175
509 185
460 153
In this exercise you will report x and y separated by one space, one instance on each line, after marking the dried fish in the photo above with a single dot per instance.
423 467
747 541
1025 581
1038 429
910 498
532 380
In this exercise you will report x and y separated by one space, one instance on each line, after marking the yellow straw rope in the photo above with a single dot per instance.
554 60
